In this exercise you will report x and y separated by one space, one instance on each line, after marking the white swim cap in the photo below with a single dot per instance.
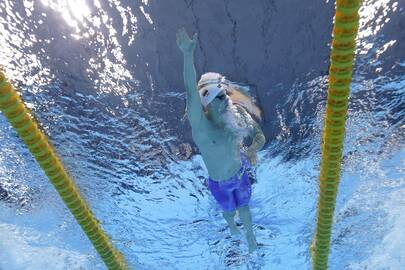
209 86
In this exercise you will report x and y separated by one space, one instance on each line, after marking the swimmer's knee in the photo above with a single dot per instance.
229 213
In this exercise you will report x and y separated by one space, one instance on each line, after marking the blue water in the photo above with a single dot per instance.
120 133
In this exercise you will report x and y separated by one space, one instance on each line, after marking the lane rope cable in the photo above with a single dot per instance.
340 76
37 142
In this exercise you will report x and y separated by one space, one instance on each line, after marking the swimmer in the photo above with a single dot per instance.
220 115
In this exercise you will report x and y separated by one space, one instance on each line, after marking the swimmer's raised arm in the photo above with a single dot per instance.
187 46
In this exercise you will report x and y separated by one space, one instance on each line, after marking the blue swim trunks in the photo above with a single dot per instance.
234 192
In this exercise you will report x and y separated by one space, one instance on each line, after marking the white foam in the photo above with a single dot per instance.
389 254
24 248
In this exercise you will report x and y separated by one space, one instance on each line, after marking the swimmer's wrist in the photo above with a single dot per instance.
188 54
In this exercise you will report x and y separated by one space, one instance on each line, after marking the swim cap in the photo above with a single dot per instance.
209 86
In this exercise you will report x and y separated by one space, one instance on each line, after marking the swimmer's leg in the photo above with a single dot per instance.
246 218
230 219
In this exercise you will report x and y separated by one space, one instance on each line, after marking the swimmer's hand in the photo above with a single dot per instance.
252 156
184 42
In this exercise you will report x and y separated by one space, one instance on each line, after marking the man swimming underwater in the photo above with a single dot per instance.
219 118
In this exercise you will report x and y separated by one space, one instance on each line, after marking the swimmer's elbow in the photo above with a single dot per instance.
258 138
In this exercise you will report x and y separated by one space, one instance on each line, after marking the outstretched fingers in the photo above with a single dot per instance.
182 35
185 43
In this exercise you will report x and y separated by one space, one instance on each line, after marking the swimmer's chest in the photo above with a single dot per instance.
220 151
214 141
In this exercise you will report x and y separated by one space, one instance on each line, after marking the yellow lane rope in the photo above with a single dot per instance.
340 77
37 142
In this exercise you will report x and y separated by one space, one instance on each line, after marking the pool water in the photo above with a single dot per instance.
104 79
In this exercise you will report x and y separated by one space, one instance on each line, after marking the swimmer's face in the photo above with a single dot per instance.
220 103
